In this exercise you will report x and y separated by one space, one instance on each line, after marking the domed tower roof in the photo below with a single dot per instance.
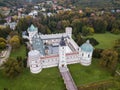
32 28
87 47
62 42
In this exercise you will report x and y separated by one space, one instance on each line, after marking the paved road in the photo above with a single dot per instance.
70 85
6 56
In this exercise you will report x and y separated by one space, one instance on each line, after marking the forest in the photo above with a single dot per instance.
99 4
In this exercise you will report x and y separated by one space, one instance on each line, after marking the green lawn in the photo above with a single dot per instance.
50 79
47 79
19 52
84 75
105 40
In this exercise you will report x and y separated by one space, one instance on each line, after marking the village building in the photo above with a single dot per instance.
33 13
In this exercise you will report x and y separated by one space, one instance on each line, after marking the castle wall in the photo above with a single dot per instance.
71 53
72 58
50 61
53 60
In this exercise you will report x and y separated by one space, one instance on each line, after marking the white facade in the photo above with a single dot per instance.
34 61
62 50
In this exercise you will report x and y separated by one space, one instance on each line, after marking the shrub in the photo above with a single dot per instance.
97 53
103 85
93 41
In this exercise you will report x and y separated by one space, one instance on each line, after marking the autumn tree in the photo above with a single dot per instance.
77 26
87 30
78 39
100 25
117 47
109 59
13 33
22 24
15 42
65 23
116 27
12 68
2 43
48 31
4 32
52 25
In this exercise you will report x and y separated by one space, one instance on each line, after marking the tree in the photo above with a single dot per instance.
65 23
117 47
109 59
77 26
48 31
22 25
100 25
79 39
59 25
52 25
93 41
4 32
13 33
12 68
2 43
97 53
15 42
88 11
87 30
115 31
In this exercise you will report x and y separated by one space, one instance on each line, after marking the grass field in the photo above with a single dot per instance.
106 40
19 52
48 79
93 73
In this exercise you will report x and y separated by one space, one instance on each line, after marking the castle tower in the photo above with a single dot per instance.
68 31
34 61
62 53
46 50
85 52
32 31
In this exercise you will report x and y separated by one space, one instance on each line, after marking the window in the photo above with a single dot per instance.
88 55
82 54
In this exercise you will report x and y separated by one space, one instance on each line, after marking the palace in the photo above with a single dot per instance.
51 50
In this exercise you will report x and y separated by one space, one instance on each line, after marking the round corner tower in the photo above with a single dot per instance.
34 61
85 52
32 31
